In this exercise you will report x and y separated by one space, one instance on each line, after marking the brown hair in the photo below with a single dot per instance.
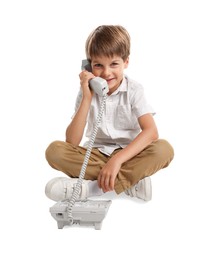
108 40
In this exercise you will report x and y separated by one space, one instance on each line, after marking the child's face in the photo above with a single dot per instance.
110 69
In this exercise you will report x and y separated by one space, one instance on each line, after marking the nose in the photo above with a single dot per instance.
106 72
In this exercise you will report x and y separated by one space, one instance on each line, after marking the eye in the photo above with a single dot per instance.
114 64
97 65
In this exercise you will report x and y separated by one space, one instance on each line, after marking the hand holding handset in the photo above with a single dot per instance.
98 85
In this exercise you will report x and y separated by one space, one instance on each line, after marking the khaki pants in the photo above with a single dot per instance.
69 159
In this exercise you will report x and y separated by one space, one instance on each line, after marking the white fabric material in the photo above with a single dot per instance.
142 190
61 188
94 189
119 124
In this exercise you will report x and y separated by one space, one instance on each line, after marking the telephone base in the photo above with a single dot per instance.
85 213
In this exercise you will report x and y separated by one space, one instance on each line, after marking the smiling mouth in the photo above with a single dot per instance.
109 80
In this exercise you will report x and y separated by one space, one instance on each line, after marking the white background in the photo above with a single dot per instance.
41 47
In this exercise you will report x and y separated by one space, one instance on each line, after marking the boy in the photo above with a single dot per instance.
127 149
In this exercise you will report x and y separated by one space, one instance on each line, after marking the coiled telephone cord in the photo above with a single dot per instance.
77 189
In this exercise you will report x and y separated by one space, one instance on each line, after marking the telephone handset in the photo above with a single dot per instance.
98 85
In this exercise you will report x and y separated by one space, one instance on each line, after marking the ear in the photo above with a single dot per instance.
126 63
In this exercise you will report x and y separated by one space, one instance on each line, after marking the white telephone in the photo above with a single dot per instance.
98 85
87 212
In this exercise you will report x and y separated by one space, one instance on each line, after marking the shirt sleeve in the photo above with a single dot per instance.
139 104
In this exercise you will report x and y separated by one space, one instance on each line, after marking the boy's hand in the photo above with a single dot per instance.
106 178
85 76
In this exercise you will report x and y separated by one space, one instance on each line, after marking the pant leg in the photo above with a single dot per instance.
68 158
154 157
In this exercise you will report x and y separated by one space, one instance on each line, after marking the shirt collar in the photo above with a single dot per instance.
122 87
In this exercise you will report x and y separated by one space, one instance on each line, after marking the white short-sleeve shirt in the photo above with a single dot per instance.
119 124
